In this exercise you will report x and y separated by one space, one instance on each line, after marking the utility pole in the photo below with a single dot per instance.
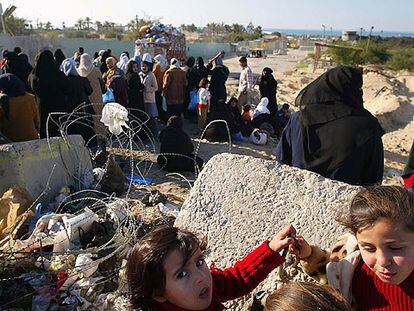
360 34
324 27
3 24
369 38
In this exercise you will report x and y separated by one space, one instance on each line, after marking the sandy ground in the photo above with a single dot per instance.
387 95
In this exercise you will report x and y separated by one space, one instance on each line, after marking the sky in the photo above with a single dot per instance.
384 15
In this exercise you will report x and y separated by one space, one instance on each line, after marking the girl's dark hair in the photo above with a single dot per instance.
247 108
392 203
305 296
203 83
145 267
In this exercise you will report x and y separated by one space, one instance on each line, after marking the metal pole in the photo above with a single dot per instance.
369 38
3 24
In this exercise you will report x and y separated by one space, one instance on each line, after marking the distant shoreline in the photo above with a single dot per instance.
336 32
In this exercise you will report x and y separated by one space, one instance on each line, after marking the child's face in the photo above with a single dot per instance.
387 248
187 285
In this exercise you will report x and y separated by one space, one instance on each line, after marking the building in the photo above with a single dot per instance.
350 36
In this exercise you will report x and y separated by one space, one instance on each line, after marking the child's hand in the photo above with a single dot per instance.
302 249
282 239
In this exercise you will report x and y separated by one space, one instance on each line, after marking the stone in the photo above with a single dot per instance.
237 202
31 164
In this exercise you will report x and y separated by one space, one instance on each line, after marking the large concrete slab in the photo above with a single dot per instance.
239 201
30 164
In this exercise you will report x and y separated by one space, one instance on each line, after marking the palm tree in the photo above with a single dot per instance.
98 25
88 21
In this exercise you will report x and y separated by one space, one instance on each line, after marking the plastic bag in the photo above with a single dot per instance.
193 100
237 136
164 103
108 96
114 116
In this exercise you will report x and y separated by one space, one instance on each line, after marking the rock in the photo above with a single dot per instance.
240 201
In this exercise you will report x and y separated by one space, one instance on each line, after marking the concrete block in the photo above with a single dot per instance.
240 201
30 164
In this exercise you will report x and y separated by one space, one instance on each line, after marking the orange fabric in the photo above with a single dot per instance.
23 122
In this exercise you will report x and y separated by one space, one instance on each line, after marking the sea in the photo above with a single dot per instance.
336 32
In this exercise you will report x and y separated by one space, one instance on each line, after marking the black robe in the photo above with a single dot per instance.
176 141
217 87
267 87
135 90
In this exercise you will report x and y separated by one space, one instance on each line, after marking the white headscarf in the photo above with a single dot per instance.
162 61
174 63
85 65
123 62
261 107
147 58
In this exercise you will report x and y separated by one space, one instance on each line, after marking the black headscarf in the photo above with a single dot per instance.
103 67
333 120
18 66
190 62
130 66
200 62
46 65
10 86
59 57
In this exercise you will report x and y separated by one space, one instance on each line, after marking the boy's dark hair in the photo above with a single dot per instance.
81 50
243 59
17 50
247 108
285 106
391 203
145 267
203 83
306 296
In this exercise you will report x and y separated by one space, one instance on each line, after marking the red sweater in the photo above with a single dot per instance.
237 281
370 293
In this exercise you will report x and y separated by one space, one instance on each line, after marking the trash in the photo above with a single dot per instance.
153 198
85 265
169 208
114 116
138 179
14 210
114 178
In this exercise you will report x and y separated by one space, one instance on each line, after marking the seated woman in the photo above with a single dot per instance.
19 116
333 135
176 152
261 114
219 131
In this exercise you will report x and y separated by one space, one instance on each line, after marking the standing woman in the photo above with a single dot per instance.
135 88
51 87
59 57
113 70
150 87
267 87
218 90
160 67
19 116
80 91
94 76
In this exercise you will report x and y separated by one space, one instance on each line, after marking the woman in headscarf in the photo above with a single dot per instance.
113 70
333 135
135 88
150 87
160 67
261 114
51 87
176 151
219 76
19 116
123 62
267 87
147 58
80 91
138 60
104 55
18 66
59 57
408 172
87 70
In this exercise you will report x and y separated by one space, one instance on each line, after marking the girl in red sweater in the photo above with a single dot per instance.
373 267
167 271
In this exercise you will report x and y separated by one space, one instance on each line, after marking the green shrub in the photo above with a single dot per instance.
376 54
402 59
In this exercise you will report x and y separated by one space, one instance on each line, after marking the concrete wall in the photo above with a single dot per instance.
207 50
239 201
30 164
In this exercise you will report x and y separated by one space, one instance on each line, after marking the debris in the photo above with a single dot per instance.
153 198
